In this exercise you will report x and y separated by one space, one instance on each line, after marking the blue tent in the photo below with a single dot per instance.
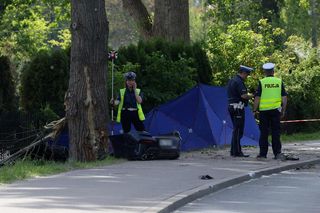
201 117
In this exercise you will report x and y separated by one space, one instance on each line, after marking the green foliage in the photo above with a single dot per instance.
165 70
238 45
23 30
295 18
3 5
296 63
7 88
273 37
27 26
292 15
47 114
227 12
299 67
164 79
45 81
300 137
63 39
202 63
198 23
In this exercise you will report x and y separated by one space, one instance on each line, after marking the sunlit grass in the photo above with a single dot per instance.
24 169
300 137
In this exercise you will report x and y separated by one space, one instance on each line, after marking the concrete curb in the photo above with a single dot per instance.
181 199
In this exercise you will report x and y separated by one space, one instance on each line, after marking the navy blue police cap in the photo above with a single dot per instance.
245 69
130 75
268 66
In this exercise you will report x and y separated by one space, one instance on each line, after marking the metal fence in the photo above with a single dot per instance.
23 135
17 130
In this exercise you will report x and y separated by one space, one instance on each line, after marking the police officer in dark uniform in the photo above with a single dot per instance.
271 101
238 97
129 105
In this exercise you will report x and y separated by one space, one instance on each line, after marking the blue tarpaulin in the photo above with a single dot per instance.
201 117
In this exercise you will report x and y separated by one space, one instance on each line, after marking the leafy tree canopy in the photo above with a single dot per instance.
27 26
239 45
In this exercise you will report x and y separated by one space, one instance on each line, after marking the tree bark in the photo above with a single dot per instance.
270 5
171 20
7 87
86 98
314 18
139 12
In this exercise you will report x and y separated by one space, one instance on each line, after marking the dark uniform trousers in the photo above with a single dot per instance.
269 118
128 117
237 117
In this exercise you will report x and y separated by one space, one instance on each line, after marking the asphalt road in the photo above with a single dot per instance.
146 186
288 192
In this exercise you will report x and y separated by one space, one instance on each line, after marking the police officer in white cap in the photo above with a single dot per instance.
271 102
238 97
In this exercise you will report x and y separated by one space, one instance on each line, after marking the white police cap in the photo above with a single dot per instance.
268 66
245 69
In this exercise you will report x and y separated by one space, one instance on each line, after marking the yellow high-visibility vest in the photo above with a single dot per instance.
270 93
140 112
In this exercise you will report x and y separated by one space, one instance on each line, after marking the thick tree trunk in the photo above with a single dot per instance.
86 99
139 12
171 20
314 18
7 88
270 5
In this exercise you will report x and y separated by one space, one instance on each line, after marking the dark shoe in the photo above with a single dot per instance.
205 177
280 156
261 157
292 157
285 157
241 155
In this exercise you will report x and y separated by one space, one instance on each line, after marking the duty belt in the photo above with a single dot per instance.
130 109
239 105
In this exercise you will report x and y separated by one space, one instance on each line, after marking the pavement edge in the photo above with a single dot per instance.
176 201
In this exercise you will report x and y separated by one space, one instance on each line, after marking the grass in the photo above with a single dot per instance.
24 169
301 137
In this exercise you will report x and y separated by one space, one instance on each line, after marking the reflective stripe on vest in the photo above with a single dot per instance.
140 112
270 93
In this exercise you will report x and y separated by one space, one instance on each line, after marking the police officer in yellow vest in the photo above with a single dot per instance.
271 101
129 105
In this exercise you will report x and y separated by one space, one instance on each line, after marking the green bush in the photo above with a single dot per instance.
165 70
137 54
296 63
164 80
47 114
299 67
44 82
239 45
7 87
